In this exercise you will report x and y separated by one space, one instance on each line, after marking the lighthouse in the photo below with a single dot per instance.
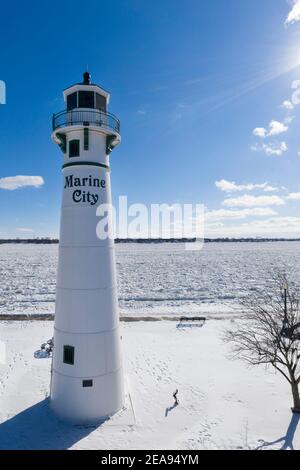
86 375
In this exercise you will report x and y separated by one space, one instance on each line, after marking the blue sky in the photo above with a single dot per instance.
203 90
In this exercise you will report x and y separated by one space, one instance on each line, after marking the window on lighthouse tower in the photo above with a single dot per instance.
86 99
100 102
69 355
87 383
72 101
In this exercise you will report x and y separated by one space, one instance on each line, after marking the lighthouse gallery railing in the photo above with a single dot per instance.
85 117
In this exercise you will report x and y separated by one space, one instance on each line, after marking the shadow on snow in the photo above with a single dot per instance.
38 428
287 439
169 409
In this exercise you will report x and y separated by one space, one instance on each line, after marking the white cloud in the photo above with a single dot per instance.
231 186
276 149
15 182
287 104
248 200
293 196
225 214
260 132
271 227
275 128
294 14
272 149
269 189
289 119
25 230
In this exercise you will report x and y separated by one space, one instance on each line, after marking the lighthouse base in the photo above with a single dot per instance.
89 403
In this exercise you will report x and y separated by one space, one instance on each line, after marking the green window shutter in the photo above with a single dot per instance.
74 148
109 141
86 138
63 142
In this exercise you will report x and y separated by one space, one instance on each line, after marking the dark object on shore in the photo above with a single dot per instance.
191 322
183 319
45 350
48 347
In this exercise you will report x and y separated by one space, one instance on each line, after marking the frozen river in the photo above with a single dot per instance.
153 279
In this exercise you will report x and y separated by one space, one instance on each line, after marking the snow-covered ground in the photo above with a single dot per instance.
223 404
154 279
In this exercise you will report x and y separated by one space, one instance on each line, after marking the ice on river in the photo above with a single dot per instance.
153 279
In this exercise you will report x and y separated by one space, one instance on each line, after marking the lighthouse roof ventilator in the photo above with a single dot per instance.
86 375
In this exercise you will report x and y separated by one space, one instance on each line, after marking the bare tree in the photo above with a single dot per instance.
270 334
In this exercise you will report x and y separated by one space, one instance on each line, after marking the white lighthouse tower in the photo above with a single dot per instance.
87 376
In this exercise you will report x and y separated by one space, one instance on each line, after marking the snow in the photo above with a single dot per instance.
222 404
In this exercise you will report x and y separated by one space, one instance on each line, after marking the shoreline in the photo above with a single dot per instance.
126 318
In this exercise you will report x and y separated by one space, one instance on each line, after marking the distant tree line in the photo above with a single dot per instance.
206 240
37 241
48 240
